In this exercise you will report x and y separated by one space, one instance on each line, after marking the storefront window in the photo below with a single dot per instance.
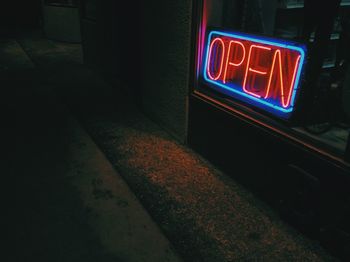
287 60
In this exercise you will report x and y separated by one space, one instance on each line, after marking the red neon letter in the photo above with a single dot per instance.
210 58
283 97
253 70
229 55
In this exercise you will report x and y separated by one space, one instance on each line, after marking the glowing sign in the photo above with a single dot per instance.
260 71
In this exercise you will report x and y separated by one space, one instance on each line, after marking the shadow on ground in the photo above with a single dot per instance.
205 214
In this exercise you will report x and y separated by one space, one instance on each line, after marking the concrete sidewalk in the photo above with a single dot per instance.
124 228
66 201
205 214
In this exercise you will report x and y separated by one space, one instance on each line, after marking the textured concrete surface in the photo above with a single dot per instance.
205 214
65 200
167 30
124 228
12 56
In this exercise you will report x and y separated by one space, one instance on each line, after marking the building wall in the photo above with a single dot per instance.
166 58
19 16
146 46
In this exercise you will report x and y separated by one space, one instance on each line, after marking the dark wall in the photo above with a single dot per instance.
146 45
112 41
167 29
18 16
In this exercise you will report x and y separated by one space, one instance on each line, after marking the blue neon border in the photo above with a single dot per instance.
245 96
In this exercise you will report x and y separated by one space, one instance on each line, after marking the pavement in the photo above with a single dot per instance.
94 179
65 201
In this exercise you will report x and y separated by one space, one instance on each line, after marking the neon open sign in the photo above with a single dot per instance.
260 71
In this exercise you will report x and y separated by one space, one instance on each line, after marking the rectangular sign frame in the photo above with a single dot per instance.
238 92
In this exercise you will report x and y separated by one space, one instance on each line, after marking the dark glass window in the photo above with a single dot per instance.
322 115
